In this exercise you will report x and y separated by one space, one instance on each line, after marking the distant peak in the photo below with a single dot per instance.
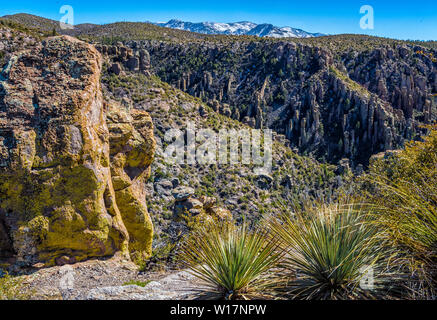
239 28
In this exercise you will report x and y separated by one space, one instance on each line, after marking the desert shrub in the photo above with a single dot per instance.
330 251
12 288
137 283
163 256
233 262
404 186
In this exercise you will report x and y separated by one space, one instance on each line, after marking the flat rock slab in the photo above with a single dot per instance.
178 286
106 279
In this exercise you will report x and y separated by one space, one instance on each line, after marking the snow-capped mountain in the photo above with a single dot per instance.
239 28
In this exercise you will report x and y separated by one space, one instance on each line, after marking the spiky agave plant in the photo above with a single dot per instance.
233 262
330 251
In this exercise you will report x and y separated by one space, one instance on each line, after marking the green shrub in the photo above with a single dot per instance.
162 255
12 288
404 187
233 263
328 251
137 283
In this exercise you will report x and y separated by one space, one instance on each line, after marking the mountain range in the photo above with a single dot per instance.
239 28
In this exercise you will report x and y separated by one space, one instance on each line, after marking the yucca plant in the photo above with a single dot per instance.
233 262
330 252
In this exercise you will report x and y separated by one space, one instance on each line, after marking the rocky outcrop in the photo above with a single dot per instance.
188 206
68 189
132 147
339 117
379 97
108 279
402 75
122 57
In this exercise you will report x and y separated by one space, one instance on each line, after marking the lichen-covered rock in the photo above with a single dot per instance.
131 59
132 148
58 199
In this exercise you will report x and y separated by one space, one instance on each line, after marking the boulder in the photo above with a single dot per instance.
176 182
264 181
133 63
144 60
220 213
164 187
115 69
182 193
189 206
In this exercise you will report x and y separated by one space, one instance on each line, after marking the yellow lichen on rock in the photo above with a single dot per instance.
57 195
132 147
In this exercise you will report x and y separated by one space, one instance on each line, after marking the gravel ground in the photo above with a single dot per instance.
107 280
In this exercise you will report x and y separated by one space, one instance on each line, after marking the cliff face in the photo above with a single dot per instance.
333 102
67 188
404 76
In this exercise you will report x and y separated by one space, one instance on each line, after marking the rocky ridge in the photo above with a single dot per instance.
388 87
349 104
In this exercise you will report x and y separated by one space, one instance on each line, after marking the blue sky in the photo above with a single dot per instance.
399 19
